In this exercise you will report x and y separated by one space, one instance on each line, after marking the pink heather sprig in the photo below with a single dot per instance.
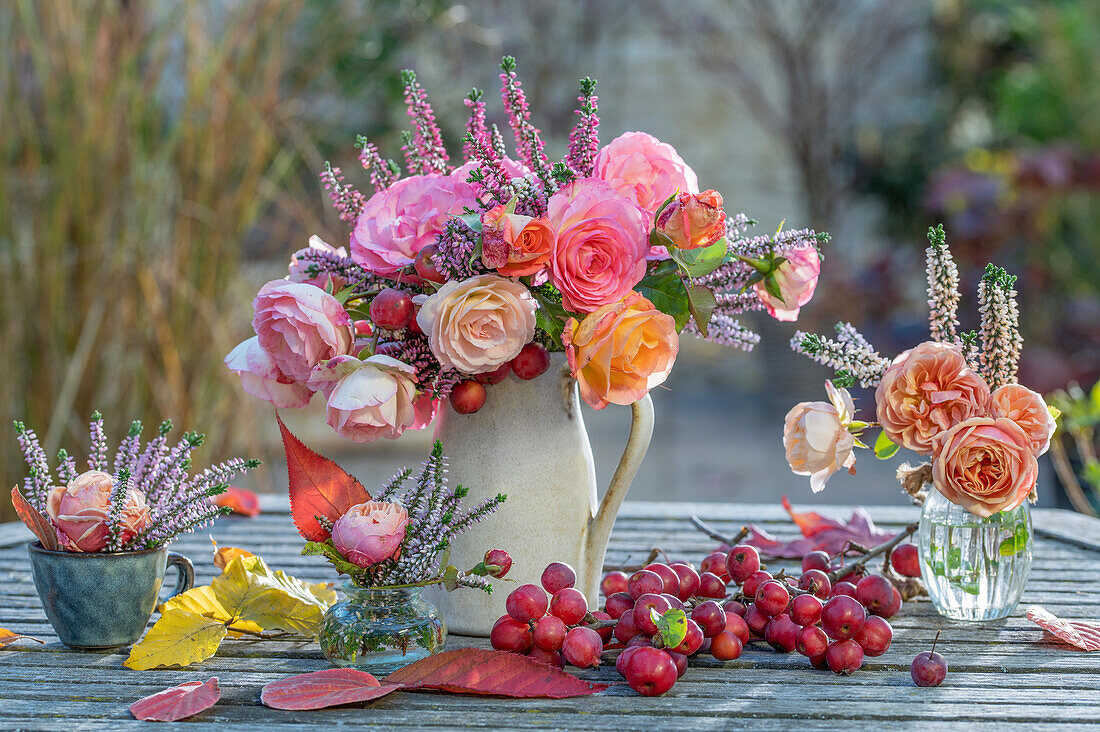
154 452
97 455
529 144
66 466
126 457
455 259
321 262
584 138
476 129
347 201
943 288
114 512
383 172
163 482
413 349
488 174
424 150
1001 342
37 482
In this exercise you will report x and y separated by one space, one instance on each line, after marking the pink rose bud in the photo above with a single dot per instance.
693 220
79 511
796 279
370 532
500 559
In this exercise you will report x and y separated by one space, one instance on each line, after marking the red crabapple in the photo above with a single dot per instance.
618 604
844 657
549 633
741 562
613 582
781 633
812 642
391 309
711 585
711 618
558 576
498 558
527 602
569 604
650 671
532 360
668 574
510 634
805 610
905 560
875 636
468 396
725 646
842 617
689 580
644 582
582 647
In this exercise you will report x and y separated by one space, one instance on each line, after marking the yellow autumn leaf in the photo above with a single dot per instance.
179 638
202 601
248 589
7 637
323 591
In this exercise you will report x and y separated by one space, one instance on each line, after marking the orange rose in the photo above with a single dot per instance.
985 465
513 244
620 351
927 390
693 220
1027 409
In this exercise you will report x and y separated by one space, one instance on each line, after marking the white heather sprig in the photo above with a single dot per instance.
114 513
97 455
726 331
943 288
1001 341
856 357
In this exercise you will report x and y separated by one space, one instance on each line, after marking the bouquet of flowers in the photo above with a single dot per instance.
142 499
953 398
456 275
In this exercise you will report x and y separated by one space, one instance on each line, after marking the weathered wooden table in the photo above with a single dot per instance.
1002 674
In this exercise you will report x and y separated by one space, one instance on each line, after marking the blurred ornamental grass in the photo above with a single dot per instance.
139 143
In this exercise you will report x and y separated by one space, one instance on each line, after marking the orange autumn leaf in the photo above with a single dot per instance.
8 637
240 501
223 555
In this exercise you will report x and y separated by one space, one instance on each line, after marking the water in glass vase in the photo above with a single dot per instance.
974 568
381 628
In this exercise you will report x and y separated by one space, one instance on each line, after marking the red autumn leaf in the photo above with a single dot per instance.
318 487
328 688
35 521
481 671
1083 635
819 533
179 702
7 637
239 500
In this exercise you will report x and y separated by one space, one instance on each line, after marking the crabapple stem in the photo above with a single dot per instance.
653 554
714 534
836 574
934 641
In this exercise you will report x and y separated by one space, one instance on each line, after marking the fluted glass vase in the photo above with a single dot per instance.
381 628
974 568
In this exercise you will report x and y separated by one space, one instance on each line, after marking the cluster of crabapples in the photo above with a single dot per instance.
394 309
727 604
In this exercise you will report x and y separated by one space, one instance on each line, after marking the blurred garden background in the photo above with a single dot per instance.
159 160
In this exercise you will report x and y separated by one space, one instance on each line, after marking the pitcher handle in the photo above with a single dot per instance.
641 432
186 578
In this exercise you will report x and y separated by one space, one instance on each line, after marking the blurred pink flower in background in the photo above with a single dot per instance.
300 326
79 511
261 378
370 532
797 280
367 399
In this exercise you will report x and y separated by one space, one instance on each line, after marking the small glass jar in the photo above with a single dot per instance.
381 628
974 568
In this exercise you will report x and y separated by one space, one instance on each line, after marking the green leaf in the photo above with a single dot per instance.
664 288
700 262
329 551
885 448
471 220
1015 543
671 627
551 317
954 558
701 303
450 578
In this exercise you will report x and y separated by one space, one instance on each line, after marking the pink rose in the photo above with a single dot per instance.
816 437
1027 409
367 399
297 269
261 378
797 280
475 325
370 532
693 220
398 221
644 169
601 244
926 390
300 326
985 465
80 509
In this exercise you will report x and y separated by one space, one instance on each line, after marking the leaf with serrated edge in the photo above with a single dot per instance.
481 671
179 702
178 638
250 590
321 689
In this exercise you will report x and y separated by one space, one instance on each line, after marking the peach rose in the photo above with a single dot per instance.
985 465
479 323
79 512
300 326
367 399
601 244
513 244
797 280
398 221
693 220
816 437
297 271
927 390
370 532
261 378
644 169
1027 409
621 351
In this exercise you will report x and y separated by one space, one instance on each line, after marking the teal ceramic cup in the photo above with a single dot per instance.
102 601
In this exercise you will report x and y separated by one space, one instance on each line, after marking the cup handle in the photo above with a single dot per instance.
186 578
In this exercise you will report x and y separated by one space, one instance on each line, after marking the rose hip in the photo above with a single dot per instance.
498 558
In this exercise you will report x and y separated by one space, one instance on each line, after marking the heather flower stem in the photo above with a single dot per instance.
873 552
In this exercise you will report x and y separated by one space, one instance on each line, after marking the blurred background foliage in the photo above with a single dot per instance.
158 162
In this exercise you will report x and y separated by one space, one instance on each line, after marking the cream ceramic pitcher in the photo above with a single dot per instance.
529 442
